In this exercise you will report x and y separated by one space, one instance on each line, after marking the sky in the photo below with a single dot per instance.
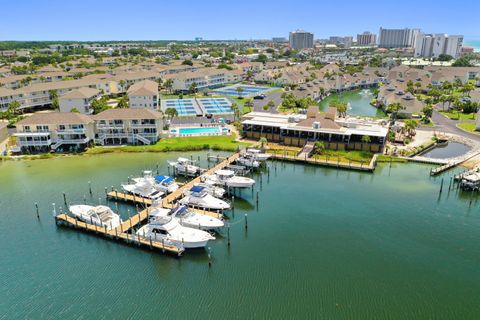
86 20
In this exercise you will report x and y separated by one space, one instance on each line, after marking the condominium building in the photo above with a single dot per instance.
345 42
397 38
143 94
79 99
366 39
49 131
122 126
204 78
433 45
301 40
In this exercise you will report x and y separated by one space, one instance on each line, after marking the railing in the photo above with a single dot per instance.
71 131
33 143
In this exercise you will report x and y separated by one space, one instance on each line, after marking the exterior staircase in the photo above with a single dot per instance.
306 150
141 138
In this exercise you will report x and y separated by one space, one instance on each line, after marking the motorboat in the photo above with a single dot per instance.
258 154
215 191
101 216
188 218
144 188
199 197
165 184
185 166
248 160
169 231
229 179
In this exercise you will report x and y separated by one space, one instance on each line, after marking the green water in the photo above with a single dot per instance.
359 103
324 244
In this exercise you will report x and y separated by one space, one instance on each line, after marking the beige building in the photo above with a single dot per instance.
50 131
79 99
127 126
143 94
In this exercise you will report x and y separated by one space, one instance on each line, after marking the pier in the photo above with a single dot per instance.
125 230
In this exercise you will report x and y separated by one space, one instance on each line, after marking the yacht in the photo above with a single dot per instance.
229 179
248 160
185 166
169 231
190 219
102 216
199 197
215 191
165 184
258 154
144 188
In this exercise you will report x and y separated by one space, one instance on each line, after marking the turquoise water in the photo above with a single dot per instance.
474 44
323 244
199 130
359 103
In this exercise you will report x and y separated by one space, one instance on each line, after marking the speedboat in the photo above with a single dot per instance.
189 218
185 166
199 197
102 216
215 191
248 160
143 188
258 154
170 231
165 184
229 179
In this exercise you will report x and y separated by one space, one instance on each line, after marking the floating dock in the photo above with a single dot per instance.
125 230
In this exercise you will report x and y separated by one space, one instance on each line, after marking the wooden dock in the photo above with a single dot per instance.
125 230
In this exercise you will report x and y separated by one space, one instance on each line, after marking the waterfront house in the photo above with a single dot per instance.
79 99
297 129
143 94
43 132
127 126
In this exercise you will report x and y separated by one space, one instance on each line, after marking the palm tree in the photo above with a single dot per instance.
13 107
365 139
171 113
393 109
239 91
122 85
52 94
263 141
168 85
271 105
123 103
193 88
319 147
410 126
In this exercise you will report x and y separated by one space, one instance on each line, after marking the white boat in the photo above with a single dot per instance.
143 188
229 179
248 160
188 218
170 231
102 216
199 197
215 191
258 154
185 166
162 183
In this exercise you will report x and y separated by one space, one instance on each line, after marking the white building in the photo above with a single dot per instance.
433 45
143 94
80 99
397 38
301 40
366 39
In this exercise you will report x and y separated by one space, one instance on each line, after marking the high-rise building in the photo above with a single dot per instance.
279 39
366 39
397 38
301 40
433 45
345 42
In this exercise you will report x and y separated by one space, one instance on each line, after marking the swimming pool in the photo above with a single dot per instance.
199 131
246 91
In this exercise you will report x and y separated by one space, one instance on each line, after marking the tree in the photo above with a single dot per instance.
428 111
171 113
270 105
193 88
410 126
123 103
74 110
239 91
265 107
52 94
444 57
99 105
13 107
366 139
319 147
263 141
187 62
393 109
341 107
467 88
122 84
55 104
168 84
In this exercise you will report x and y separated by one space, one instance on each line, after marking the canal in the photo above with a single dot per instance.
323 243
358 103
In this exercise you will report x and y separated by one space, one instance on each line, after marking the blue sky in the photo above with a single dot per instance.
243 19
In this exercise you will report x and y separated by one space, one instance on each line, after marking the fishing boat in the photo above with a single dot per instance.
185 166
169 231
188 218
229 179
143 188
199 197
258 154
101 216
165 184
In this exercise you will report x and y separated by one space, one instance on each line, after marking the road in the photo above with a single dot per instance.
444 124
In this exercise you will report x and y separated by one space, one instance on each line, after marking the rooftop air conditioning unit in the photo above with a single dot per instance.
316 125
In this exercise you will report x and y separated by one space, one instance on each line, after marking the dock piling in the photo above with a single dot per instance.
90 187
36 209
65 199
246 221
228 234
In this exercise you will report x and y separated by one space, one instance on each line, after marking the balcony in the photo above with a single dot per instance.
71 131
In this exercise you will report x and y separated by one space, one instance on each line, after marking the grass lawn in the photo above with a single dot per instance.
458 116
224 143
469 127
353 156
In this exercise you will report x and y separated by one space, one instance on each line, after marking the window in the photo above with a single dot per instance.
27 129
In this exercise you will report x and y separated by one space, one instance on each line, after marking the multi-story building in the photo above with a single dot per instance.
204 78
345 42
300 40
121 126
397 38
279 39
434 45
366 39
79 99
50 131
143 94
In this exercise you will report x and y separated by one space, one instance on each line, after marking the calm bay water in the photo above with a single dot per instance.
323 244
359 101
